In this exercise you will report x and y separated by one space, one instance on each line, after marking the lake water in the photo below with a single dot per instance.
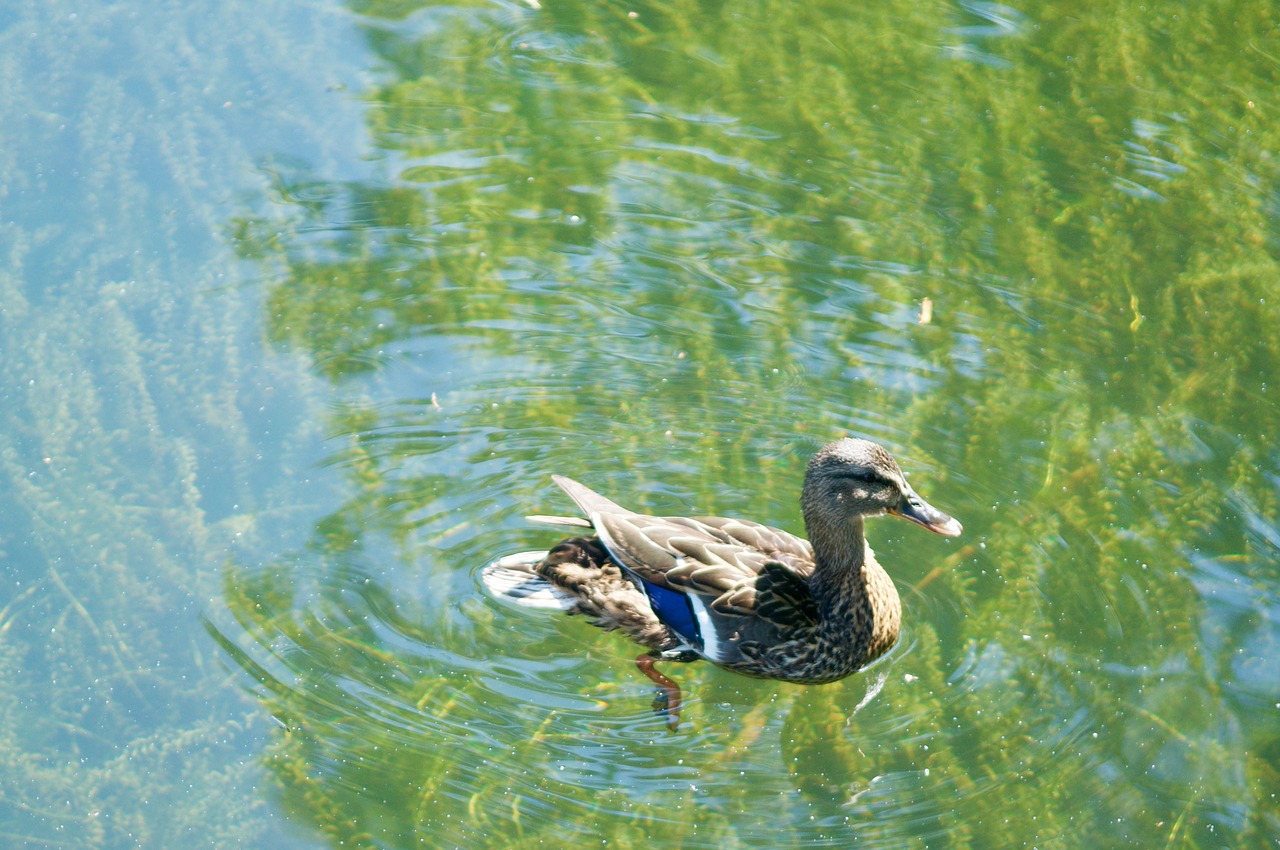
301 305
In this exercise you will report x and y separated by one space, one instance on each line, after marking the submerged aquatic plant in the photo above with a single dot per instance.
734 244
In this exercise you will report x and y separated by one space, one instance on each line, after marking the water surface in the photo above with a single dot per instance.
303 305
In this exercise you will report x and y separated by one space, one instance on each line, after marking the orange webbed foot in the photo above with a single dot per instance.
666 703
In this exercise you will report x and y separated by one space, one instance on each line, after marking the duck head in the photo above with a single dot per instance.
850 479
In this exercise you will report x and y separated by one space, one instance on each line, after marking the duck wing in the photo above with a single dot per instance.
709 579
763 538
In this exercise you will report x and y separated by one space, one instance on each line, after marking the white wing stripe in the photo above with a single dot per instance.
710 640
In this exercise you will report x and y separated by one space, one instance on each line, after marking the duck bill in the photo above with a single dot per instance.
921 512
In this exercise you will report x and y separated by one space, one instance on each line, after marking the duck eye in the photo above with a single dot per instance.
865 475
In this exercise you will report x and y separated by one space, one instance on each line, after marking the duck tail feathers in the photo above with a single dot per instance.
576 522
589 500
511 579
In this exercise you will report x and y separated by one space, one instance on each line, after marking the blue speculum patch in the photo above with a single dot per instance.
674 610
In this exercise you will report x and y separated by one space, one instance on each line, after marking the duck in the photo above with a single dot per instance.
742 595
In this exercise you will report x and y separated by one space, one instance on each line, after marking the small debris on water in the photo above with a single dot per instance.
926 311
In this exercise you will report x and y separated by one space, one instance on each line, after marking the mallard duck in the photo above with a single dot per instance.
742 595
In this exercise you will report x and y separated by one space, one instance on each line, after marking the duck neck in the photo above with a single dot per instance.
838 583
